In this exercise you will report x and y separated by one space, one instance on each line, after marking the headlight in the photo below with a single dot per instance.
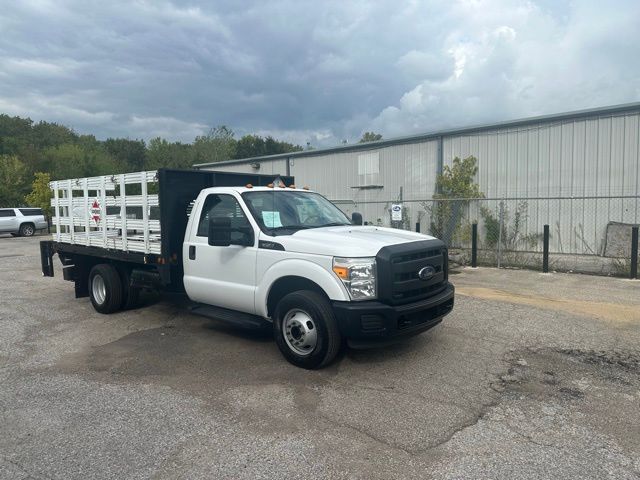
358 275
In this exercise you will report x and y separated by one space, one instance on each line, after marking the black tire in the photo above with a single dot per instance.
110 299
27 230
130 295
318 309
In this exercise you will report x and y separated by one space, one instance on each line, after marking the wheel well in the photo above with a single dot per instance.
28 223
285 285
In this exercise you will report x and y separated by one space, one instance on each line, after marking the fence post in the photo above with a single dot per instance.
545 250
474 245
634 252
500 227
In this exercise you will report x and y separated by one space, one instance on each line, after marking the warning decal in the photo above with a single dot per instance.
95 211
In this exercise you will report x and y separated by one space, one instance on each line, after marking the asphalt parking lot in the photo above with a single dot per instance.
531 376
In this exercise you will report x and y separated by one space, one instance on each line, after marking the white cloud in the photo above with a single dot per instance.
535 64
311 71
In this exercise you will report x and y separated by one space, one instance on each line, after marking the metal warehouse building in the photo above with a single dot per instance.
575 171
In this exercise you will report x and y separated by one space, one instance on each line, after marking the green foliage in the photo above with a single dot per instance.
129 153
256 146
510 233
457 180
491 227
28 149
161 153
40 195
370 137
453 187
72 161
217 146
13 181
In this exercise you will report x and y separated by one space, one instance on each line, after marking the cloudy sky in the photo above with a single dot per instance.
311 71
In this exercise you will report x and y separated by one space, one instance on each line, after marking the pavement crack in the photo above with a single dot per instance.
366 434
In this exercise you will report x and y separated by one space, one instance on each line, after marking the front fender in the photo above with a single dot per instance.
330 284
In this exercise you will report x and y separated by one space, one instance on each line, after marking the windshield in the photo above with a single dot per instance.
286 212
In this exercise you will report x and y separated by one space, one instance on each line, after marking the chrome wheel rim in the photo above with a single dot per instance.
99 289
300 332
28 230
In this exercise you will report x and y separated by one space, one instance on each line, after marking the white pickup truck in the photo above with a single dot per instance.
252 250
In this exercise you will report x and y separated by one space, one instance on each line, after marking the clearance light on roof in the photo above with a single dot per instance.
282 185
305 188
292 186
248 185
270 185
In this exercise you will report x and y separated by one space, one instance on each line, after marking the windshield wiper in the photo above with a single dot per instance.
289 227
333 224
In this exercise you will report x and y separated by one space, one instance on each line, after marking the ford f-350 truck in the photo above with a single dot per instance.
252 250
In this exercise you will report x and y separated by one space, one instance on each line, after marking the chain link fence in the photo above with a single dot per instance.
586 234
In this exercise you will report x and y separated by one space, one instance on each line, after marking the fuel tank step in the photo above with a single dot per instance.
232 317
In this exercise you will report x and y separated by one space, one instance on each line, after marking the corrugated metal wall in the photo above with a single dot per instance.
550 166
546 165
587 157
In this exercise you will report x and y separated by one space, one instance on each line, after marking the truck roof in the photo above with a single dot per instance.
269 189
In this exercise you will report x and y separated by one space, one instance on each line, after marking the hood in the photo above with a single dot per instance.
347 241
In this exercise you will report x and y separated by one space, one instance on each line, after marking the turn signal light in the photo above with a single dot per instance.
342 272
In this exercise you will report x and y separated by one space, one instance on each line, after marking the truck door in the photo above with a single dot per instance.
8 220
220 276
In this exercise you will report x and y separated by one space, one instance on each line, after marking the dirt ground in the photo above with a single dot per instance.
531 376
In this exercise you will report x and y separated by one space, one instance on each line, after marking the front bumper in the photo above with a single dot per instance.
372 323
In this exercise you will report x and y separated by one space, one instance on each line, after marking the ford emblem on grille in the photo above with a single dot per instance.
426 273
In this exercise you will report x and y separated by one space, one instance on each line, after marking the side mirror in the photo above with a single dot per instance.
219 231
356 218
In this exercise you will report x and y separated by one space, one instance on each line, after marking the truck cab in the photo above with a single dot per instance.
252 250
290 256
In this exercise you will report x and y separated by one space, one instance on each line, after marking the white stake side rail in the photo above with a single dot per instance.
80 209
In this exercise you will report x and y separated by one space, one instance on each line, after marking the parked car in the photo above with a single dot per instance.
22 222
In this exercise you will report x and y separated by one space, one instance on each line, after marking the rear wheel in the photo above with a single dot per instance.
105 288
27 230
305 329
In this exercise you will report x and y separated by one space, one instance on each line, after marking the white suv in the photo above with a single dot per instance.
22 221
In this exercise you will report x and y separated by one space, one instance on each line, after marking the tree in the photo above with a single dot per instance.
454 186
40 195
130 153
73 161
457 180
161 153
45 134
370 137
218 145
13 181
256 146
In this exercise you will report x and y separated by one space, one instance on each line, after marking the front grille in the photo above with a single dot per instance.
398 267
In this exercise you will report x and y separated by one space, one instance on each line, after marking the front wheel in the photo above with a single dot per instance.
305 329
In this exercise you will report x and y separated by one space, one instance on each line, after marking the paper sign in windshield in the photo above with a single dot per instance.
271 219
